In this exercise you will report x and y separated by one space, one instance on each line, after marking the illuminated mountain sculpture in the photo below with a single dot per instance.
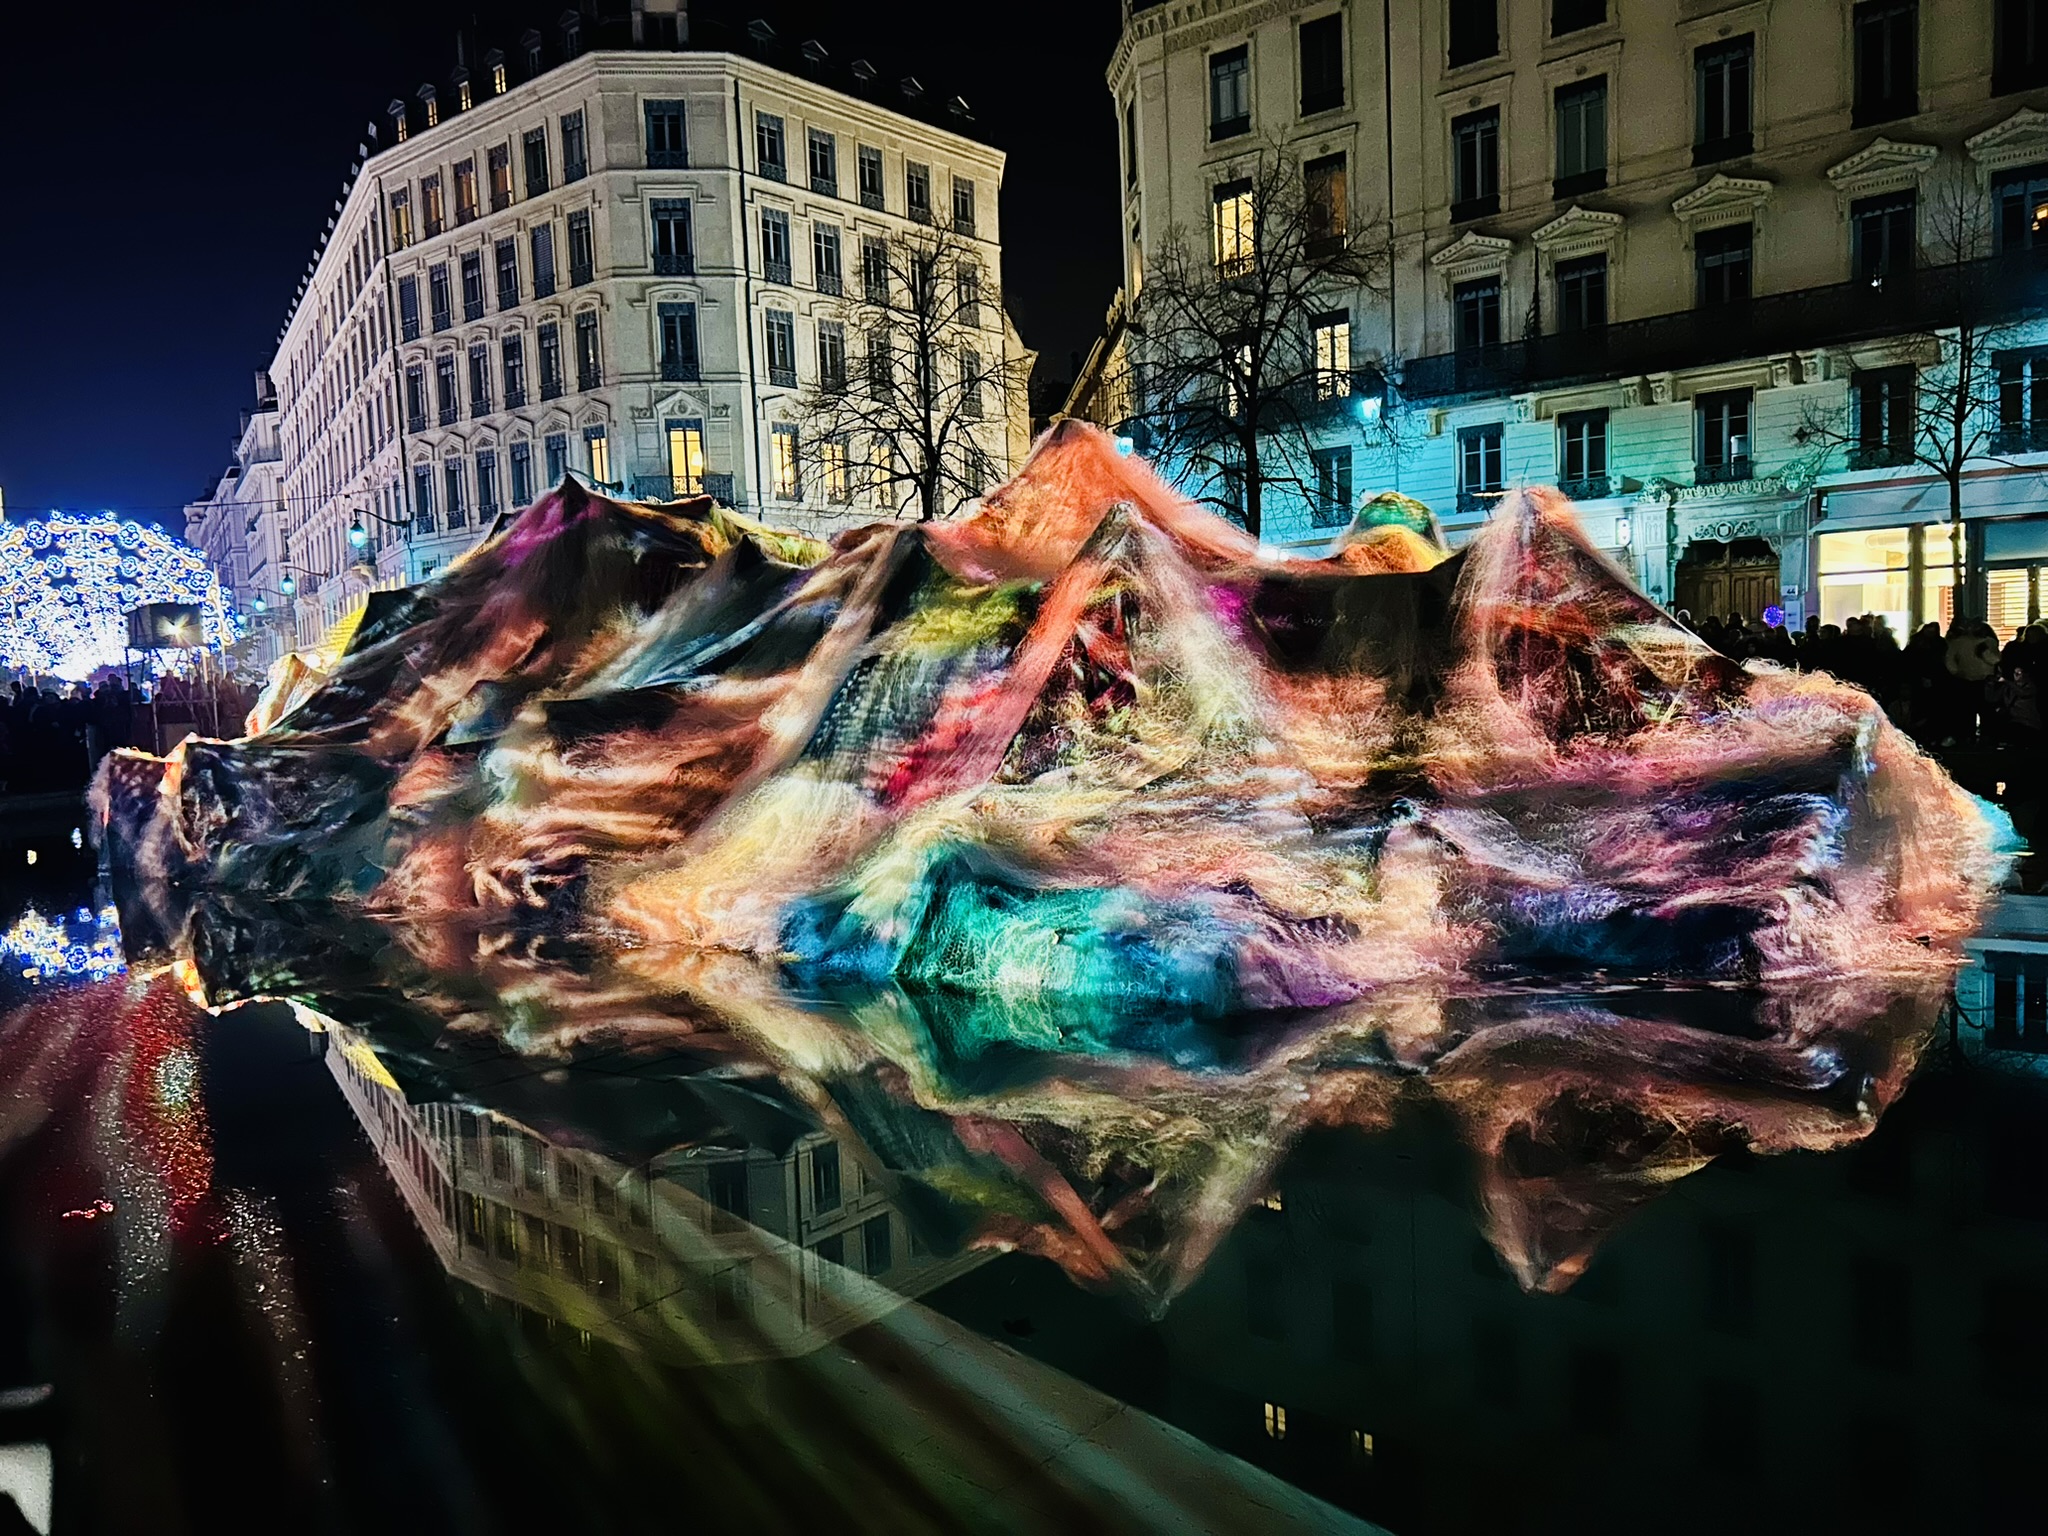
1104 845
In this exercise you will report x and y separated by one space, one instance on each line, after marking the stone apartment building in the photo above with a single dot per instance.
1641 248
239 530
607 253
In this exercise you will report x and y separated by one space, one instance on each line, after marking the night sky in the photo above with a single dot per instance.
170 167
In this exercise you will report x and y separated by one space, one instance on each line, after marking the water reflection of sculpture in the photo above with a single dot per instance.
1112 796
708 1255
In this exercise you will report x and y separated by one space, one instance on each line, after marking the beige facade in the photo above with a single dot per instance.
428 383
1718 129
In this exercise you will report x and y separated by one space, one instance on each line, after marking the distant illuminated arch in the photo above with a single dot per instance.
67 582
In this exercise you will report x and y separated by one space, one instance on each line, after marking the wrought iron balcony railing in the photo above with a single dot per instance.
1994 290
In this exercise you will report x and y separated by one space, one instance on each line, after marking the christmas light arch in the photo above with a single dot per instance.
67 582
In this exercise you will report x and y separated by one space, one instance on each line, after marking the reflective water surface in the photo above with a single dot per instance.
488 1234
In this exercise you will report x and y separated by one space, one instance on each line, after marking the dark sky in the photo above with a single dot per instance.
170 166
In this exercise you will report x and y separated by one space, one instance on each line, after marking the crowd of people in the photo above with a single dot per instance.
1958 689
53 734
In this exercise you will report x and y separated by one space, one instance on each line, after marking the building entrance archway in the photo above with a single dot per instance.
1718 578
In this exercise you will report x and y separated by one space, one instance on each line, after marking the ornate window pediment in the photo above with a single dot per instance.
1720 200
1473 255
2019 140
1577 232
1883 167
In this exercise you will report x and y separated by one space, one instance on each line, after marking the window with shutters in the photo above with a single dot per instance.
575 149
874 269
1887 61
433 210
582 255
486 483
543 239
1882 238
831 356
1582 293
674 255
513 352
409 308
825 274
1883 400
780 328
506 256
678 323
870 162
775 245
479 380
1721 264
668 146
472 285
1321 45
447 393
589 360
1230 93
821 152
501 177
1474 31
769 154
549 341
1581 110
534 146
455 494
401 219
917 191
522 474
1721 107
466 207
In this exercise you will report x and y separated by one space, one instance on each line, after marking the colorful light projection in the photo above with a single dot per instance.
84 947
67 581
1123 847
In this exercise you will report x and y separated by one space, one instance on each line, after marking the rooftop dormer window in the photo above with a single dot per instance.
463 99
433 104
572 34
400 128
494 61
529 43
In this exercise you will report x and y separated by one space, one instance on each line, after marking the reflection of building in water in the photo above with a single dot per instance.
2002 998
1855 1340
705 1255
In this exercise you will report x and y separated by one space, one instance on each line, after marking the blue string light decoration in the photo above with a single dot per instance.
67 583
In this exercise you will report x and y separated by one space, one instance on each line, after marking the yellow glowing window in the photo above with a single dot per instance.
1273 1200
1276 1421
1235 235
462 96
497 79
600 454
832 466
1361 1442
788 486
686 457
1333 357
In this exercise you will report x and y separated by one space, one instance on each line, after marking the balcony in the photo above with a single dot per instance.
829 284
515 396
1729 471
679 370
775 272
675 264
774 170
1732 147
450 414
871 197
668 159
1880 456
1588 488
1465 211
479 407
963 224
443 319
1479 501
921 213
416 423
580 272
1996 289
719 489
781 378
824 186
550 389
2021 437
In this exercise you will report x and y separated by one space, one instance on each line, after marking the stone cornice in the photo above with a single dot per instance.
1578 231
2019 139
1883 166
1473 255
1197 21
1721 199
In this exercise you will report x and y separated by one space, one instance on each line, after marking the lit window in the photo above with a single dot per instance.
600 447
832 467
686 457
1273 1200
1361 1442
1276 1421
1235 233
498 79
788 485
1333 356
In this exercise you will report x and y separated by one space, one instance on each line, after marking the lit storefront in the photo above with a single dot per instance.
1905 575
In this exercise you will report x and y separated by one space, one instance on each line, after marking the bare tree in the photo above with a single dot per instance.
1950 413
1237 360
915 382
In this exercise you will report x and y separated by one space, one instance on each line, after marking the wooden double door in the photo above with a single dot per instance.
1740 577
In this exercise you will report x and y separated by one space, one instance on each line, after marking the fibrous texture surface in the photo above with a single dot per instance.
1089 831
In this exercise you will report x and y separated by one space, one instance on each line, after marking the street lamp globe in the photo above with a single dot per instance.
288 584
358 535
